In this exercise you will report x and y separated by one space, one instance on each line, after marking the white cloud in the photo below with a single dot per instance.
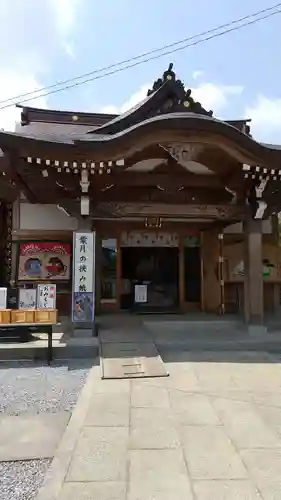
210 95
197 74
135 98
214 96
65 12
13 83
266 119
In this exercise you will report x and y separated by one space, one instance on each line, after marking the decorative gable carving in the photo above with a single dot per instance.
178 98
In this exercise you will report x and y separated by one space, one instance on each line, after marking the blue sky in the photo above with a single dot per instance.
237 75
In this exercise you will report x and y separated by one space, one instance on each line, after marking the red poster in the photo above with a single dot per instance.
39 261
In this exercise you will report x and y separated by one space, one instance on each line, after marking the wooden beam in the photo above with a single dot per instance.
151 179
13 166
152 194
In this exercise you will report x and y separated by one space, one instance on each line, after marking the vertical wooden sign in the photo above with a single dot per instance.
83 279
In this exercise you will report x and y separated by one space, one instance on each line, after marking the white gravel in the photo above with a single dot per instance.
28 387
22 480
35 388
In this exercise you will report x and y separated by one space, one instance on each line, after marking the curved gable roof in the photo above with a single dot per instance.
168 95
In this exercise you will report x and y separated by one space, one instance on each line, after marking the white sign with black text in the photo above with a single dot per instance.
46 296
83 280
140 294
84 262
3 298
27 298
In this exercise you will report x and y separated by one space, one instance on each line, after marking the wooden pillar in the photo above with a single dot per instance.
118 272
221 274
98 263
211 289
253 280
181 273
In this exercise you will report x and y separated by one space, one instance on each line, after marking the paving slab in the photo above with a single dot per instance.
93 491
263 464
109 411
28 437
182 380
226 490
145 416
148 396
158 475
110 386
270 489
100 455
161 437
245 426
210 454
193 409
157 435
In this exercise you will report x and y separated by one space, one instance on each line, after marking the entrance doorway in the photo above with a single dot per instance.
155 267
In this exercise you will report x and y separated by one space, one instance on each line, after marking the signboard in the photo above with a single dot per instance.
3 298
39 261
140 294
27 298
83 283
12 298
46 296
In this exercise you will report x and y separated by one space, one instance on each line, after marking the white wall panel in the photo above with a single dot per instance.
45 217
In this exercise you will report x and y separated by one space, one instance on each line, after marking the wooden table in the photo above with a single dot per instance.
22 331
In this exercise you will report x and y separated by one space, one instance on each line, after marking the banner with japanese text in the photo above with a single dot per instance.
83 284
46 296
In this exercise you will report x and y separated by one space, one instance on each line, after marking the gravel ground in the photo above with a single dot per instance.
35 388
22 480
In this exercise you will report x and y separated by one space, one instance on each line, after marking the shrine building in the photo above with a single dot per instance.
180 201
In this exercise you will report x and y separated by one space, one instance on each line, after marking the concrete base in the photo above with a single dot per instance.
29 437
257 330
83 332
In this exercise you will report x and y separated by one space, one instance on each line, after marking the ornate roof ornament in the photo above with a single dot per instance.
179 99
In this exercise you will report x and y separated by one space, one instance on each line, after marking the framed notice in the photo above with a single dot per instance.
46 296
44 261
83 282
27 298
3 298
140 294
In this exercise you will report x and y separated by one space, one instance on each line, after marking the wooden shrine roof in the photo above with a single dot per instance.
59 144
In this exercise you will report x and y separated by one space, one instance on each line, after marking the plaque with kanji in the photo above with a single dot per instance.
83 277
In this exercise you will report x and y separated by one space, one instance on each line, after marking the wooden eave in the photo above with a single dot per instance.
30 115
163 129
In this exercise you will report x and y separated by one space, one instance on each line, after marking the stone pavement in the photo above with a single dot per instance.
28 437
212 430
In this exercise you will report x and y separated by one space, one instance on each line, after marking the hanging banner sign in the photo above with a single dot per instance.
141 294
46 296
83 283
